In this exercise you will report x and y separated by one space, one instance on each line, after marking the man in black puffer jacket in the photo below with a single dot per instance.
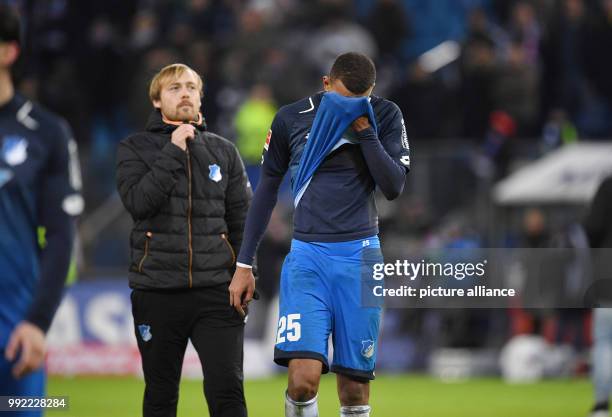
188 194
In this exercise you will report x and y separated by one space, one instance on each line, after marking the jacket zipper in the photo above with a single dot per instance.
190 243
148 237
229 245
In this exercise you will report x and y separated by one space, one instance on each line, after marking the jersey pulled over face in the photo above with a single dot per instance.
180 98
339 203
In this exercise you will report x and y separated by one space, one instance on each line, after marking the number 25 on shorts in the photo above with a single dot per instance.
289 328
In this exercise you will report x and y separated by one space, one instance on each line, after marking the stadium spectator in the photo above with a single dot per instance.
525 26
562 73
479 71
338 35
253 122
597 64
516 90
389 26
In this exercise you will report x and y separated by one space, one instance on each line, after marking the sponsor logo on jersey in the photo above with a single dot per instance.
405 144
214 172
14 150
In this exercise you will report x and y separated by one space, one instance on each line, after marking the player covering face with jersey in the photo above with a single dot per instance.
339 146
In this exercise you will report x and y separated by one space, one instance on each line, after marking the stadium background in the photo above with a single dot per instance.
487 87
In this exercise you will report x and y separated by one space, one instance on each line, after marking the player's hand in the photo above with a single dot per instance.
29 341
182 134
241 289
360 123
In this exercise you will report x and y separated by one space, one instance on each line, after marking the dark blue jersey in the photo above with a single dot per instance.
338 204
39 183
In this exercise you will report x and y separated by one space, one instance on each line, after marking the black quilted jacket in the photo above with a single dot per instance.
189 208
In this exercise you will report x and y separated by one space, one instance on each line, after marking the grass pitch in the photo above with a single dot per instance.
391 396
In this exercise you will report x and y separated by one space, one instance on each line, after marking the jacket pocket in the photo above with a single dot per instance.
148 237
229 246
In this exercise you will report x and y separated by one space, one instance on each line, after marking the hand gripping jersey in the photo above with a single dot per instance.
334 116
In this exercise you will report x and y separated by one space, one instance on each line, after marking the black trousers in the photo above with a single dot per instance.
164 321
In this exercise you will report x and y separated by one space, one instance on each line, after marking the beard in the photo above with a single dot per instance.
185 114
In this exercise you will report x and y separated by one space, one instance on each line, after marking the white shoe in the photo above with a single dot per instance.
600 413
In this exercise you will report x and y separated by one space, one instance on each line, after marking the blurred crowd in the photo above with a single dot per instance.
527 68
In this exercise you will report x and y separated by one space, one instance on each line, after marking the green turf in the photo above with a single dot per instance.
392 396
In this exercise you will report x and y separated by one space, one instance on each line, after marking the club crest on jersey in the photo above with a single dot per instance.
367 348
145 332
5 176
14 150
214 172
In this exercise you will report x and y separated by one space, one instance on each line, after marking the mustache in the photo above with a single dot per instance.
185 103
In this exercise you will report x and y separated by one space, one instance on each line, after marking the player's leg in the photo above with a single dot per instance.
218 337
354 396
354 359
602 359
303 329
355 332
32 384
303 386
162 334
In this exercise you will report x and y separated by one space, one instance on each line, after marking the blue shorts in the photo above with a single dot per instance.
32 384
320 294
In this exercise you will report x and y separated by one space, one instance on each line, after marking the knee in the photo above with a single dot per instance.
353 393
303 387
304 376
302 391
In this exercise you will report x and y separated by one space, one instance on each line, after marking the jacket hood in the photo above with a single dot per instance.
158 124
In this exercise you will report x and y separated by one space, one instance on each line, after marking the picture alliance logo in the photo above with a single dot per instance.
414 270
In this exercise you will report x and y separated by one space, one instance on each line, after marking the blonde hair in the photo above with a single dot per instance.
169 73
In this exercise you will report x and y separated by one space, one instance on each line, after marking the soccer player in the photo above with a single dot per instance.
339 145
39 186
